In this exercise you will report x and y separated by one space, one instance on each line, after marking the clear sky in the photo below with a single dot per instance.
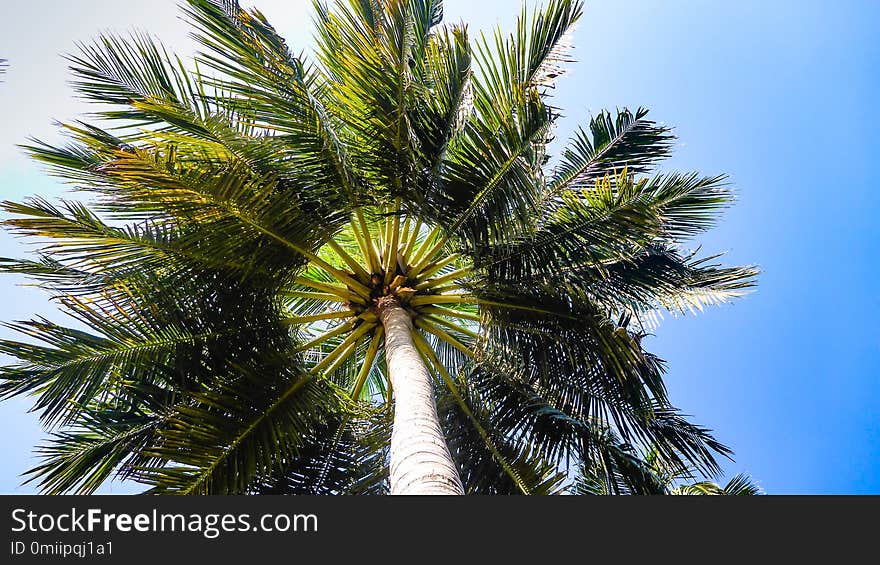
780 95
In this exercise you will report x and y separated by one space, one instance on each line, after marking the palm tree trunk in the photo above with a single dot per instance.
420 460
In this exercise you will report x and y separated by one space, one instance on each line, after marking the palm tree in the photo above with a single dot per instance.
284 262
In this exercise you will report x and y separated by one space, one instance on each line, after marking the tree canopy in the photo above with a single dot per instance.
245 209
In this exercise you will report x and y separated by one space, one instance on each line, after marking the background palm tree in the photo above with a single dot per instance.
618 468
281 253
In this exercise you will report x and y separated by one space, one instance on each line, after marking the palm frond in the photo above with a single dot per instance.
78 239
493 175
617 245
261 80
349 456
491 462
740 485
569 422
627 141
616 468
150 330
136 76
239 431
105 442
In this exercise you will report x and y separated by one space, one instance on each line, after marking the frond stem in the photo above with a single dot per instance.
427 299
430 327
297 320
369 359
349 260
343 347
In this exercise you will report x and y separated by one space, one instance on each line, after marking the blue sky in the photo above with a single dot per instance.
778 94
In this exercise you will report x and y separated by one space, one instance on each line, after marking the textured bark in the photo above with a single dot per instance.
420 460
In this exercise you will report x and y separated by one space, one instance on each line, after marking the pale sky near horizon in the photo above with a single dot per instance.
780 95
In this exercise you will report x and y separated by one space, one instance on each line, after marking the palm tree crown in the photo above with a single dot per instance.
276 248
